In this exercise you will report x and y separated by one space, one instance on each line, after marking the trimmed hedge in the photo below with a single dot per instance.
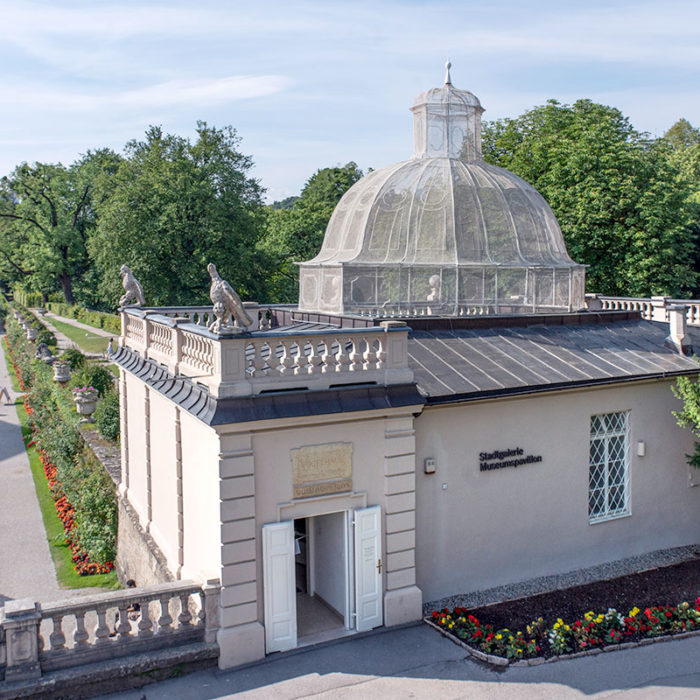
97 319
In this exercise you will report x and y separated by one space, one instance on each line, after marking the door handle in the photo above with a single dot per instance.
379 566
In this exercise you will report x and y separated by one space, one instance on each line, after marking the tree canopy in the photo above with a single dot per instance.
295 234
628 206
48 214
609 186
176 205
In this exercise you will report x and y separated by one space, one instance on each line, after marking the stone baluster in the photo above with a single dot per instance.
327 357
369 357
313 359
258 362
342 360
57 639
165 621
185 616
355 356
102 632
267 357
288 359
124 626
145 625
302 361
80 635
381 354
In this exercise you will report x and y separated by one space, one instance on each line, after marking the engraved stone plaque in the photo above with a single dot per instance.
321 469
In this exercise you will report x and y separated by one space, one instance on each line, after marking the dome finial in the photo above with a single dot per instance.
448 65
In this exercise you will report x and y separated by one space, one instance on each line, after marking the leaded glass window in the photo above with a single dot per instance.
608 474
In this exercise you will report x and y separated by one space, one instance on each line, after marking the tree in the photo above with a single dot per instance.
48 214
688 391
295 234
614 191
682 134
174 206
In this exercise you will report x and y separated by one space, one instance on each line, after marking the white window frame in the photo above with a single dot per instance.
605 438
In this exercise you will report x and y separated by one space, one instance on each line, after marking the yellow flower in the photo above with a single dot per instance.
499 636
634 612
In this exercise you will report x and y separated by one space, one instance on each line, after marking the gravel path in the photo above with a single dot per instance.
26 568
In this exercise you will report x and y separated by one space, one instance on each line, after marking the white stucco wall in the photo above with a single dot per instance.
200 488
136 421
483 529
164 528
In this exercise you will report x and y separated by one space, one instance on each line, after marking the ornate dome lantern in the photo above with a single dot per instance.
442 233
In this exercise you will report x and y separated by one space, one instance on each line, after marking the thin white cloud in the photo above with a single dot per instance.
172 93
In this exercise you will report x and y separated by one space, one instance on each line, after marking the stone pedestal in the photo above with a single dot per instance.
241 644
403 605
21 626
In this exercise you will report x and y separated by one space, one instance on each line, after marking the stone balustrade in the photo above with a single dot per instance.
37 638
268 359
651 308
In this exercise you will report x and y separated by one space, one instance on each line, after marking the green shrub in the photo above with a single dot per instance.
113 324
98 319
46 336
96 376
75 357
107 415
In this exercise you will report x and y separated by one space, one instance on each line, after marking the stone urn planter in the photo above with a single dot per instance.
85 398
32 333
61 371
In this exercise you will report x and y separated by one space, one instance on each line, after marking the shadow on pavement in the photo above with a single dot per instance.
418 662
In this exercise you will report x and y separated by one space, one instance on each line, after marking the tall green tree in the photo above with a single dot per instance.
682 134
295 234
175 205
48 214
614 191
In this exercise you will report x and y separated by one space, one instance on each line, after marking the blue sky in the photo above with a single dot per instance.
315 84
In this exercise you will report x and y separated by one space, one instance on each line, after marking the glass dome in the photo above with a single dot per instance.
443 233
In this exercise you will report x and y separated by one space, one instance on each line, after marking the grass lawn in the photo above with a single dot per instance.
87 341
60 552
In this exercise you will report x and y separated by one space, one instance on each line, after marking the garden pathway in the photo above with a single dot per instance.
26 568
79 324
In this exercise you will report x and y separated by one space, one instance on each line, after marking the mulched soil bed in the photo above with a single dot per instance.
668 585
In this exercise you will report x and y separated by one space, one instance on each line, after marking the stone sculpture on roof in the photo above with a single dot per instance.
230 314
490 238
133 291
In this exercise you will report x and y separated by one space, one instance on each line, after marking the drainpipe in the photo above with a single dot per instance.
677 339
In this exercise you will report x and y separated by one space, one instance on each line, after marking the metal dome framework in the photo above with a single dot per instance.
444 233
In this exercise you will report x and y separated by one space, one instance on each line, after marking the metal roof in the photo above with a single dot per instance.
462 364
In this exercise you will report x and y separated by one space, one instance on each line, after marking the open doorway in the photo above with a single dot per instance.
322 577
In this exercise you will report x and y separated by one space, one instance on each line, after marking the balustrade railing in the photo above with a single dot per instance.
651 308
52 636
269 360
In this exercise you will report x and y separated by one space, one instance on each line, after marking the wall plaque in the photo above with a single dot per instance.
321 469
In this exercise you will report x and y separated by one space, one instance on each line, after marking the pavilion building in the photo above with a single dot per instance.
444 412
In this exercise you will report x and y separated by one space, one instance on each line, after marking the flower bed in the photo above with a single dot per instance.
590 631
66 514
82 492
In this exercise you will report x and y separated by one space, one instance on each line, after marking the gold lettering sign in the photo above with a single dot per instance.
321 469
323 488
